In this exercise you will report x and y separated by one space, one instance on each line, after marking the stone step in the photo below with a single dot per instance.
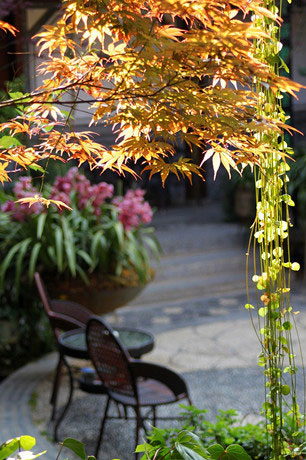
200 264
184 289
183 238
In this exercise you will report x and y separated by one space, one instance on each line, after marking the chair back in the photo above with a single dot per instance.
63 315
43 293
110 358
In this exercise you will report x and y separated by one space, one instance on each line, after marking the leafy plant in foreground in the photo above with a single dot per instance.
229 429
186 446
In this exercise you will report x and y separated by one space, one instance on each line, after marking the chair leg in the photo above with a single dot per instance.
154 415
102 426
139 425
55 387
69 399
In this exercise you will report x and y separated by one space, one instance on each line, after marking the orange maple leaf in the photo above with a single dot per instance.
7 27
39 199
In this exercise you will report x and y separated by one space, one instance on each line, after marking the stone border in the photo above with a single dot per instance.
15 410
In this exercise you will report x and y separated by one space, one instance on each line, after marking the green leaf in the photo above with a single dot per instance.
59 247
260 286
154 245
75 446
98 240
16 95
232 452
216 451
8 448
6 262
190 447
119 231
33 259
51 253
144 448
82 274
40 225
287 264
285 389
188 453
86 257
263 311
22 442
236 452
9 141
37 168
27 442
19 263
248 306
295 266
69 246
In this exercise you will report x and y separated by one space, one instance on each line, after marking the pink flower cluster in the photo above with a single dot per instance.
133 209
22 189
86 193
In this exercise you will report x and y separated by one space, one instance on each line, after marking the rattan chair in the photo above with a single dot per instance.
128 382
64 316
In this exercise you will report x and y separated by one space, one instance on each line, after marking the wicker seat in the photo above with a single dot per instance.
130 383
63 315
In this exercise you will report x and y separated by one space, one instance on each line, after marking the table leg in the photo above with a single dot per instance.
71 382
56 383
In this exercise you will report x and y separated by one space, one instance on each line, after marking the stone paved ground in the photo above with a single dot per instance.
194 308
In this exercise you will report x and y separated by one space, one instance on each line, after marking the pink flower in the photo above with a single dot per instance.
8 206
133 210
86 193
60 196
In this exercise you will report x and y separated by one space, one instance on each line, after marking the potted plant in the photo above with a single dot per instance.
101 246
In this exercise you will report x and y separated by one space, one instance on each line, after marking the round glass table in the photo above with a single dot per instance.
136 341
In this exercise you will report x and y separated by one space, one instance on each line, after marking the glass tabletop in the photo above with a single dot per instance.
136 341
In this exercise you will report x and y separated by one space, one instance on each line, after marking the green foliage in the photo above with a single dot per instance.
23 444
13 87
186 445
29 331
246 439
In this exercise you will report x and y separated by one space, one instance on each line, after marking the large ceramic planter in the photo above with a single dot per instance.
98 299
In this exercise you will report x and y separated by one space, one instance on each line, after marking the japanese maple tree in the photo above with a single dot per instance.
155 83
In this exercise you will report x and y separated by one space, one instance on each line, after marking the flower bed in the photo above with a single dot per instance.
102 234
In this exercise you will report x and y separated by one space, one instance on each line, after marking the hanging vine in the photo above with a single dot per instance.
276 318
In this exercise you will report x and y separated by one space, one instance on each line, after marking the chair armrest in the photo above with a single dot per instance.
171 379
60 322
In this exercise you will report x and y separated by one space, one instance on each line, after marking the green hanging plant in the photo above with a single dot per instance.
276 318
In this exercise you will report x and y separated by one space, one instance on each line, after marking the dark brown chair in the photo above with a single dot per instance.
128 382
64 316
